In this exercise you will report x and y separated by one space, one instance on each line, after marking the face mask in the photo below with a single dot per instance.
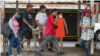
60 16
43 9
30 10
17 16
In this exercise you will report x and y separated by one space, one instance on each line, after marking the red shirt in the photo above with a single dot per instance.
50 27
20 22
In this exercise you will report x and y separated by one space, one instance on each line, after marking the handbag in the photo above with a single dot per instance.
7 31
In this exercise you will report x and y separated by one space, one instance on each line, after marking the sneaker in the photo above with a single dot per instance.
38 54
50 50
61 53
42 50
29 51
19 55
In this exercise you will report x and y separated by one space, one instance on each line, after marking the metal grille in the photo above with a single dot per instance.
71 20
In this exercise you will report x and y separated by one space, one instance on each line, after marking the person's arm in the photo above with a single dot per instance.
24 20
12 27
66 26
89 27
36 21
92 25
55 21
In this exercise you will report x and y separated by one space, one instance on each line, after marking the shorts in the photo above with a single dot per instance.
28 34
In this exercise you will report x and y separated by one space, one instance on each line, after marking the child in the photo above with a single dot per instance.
87 32
60 31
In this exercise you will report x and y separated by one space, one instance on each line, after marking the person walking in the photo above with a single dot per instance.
87 25
20 31
14 38
50 34
41 19
60 31
27 26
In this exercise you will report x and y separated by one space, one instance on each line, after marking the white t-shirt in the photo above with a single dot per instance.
42 18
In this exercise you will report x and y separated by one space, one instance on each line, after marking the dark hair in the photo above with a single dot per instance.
14 12
42 6
54 10
59 13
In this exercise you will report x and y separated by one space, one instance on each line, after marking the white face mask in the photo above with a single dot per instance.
44 10
60 16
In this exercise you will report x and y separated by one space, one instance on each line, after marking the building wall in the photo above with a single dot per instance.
44 0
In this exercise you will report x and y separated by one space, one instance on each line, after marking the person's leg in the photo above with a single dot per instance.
83 45
46 39
61 43
18 45
21 35
54 49
48 44
11 41
29 39
25 39
88 47
54 40
28 44
39 37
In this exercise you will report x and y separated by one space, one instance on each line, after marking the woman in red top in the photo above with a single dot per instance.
60 31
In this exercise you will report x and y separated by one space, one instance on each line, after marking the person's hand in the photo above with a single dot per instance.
84 29
41 24
18 27
30 27
15 35
56 19
66 32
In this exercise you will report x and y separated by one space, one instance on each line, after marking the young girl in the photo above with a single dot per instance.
60 31
14 38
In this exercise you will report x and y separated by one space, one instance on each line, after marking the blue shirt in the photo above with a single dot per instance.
26 15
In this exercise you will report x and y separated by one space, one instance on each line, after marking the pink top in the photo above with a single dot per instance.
15 24
50 27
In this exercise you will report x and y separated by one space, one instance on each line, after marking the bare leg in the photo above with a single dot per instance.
39 41
49 44
28 44
24 40
61 43
54 49
39 38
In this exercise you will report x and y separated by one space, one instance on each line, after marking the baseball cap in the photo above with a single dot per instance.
29 5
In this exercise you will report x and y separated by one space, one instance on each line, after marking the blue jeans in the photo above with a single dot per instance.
20 34
88 49
11 41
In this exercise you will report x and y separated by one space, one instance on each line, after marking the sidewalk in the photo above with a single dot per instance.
70 51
